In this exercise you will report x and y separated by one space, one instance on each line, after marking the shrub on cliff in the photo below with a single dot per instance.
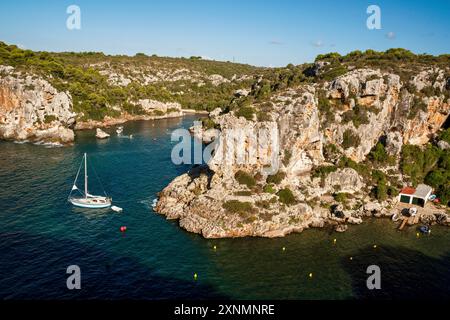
286 197
416 105
268 188
244 178
276 178
378 154
350 139
445 135
340 197
246 112
323 171
235 206
358 115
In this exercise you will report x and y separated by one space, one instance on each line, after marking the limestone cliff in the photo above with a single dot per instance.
351 113
33 110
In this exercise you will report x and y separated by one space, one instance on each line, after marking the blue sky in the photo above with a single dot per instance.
266 33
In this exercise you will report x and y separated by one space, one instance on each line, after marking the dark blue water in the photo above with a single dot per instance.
41 235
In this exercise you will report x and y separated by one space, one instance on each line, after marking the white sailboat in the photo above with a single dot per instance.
87 200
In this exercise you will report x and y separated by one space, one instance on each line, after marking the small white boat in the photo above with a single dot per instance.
395 217
87 200
116 209
119 130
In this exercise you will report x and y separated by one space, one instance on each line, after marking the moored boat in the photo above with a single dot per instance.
87 200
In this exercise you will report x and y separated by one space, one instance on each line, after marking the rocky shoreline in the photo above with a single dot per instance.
32 110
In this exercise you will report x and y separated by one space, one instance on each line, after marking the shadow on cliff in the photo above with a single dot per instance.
405 274
34 267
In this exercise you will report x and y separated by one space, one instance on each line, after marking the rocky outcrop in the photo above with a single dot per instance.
214 201
158 107
100 134
345 180
33 110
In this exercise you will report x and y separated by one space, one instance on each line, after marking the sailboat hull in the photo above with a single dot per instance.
91 203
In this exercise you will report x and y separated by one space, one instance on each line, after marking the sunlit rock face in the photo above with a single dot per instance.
202 199
31 109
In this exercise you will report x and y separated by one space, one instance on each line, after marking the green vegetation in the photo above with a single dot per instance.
287 157
265 204
396 60
350 139
235 206
430 165
94 96
276 178
246 112
268 188
49 118
445 135
286 197
358 115
263 116
244 193
325 108
380 190
244 178
341 197
208 123
416 105
362 168
323 171
379 156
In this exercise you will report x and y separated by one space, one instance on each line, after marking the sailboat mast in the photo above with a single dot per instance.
85 177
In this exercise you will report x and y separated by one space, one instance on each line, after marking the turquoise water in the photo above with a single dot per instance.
41 235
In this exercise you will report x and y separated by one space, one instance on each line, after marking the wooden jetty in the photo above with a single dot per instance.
403 224
409 221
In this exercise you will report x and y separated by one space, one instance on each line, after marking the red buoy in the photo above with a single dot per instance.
123 228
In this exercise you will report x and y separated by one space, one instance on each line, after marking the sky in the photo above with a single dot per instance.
257 32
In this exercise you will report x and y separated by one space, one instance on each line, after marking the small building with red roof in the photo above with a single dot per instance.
418 196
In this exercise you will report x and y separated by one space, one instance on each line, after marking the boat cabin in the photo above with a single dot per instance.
417 196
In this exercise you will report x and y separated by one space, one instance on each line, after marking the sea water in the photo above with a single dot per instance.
41 234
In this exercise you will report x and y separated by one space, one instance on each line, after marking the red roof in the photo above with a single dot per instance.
408 190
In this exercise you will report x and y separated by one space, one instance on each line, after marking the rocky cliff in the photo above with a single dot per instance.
328 132
31 109
43 93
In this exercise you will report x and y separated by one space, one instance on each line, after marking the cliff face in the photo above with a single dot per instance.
33 110
352 113
105 90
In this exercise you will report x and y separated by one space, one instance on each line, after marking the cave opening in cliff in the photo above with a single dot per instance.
446 124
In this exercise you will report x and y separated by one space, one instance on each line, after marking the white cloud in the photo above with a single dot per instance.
391 35
275 42
317 43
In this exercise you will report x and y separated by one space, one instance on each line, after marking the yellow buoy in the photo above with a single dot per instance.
310 275
374 246
334 241
284 248
195 276
215 248
351 258
418 234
